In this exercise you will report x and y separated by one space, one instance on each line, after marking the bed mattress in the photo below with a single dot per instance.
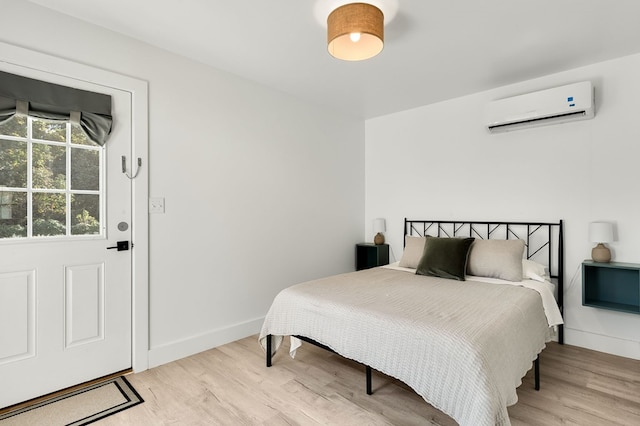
463 346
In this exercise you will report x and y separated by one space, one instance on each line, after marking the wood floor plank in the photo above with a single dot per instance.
231 385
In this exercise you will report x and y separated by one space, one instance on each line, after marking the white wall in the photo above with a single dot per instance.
269 192
439 162
261 191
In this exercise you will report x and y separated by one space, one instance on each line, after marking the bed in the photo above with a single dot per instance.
461 339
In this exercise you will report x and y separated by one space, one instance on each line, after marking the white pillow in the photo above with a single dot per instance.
534 271
496 259
413 248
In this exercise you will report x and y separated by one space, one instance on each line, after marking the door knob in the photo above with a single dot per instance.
120 246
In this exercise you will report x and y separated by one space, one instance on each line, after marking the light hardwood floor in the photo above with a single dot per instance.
230 385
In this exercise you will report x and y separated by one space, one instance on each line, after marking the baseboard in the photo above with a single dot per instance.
602 343
192 345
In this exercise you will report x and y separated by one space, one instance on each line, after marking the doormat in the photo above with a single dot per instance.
78 407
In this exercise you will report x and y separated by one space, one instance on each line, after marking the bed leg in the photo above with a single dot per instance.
368 374
268 350
536 372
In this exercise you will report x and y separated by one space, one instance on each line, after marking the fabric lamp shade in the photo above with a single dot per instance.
355 32
600 232
379 225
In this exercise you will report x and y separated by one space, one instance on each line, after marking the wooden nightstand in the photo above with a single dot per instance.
369 255
614 286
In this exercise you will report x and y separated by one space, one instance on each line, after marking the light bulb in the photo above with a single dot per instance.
355 37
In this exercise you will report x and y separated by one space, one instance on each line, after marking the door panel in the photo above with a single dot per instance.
84 304
17 316
65 302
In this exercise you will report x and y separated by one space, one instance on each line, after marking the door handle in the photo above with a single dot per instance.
120 246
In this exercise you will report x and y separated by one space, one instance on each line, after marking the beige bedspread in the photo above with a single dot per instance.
463 346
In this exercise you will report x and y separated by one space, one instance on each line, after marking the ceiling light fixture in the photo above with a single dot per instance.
355 32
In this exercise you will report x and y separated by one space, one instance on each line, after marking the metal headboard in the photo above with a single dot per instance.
543 242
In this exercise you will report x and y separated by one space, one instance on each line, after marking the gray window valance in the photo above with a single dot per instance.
26 96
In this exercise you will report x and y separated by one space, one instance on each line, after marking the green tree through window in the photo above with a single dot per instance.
50 180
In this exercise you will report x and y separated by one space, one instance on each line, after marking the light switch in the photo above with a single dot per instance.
156 205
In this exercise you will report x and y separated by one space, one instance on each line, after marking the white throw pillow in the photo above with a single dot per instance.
496 259
413 248
534 271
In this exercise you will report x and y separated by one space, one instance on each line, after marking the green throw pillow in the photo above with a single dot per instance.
445 257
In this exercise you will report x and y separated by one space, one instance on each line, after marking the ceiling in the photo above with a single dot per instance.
434 49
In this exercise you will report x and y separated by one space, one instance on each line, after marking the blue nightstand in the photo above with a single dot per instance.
614 286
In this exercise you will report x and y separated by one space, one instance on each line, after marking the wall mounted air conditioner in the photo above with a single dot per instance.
552 106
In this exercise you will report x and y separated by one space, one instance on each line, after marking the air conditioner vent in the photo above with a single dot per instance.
552 106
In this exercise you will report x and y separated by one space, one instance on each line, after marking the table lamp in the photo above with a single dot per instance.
600 233
379 227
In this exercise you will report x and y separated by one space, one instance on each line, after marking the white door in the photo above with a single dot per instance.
65 298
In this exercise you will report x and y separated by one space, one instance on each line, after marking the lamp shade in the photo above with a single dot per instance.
600 232
379 225
355 32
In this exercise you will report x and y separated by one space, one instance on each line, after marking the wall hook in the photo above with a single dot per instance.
124 167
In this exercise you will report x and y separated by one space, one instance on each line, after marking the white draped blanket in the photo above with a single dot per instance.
464 346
